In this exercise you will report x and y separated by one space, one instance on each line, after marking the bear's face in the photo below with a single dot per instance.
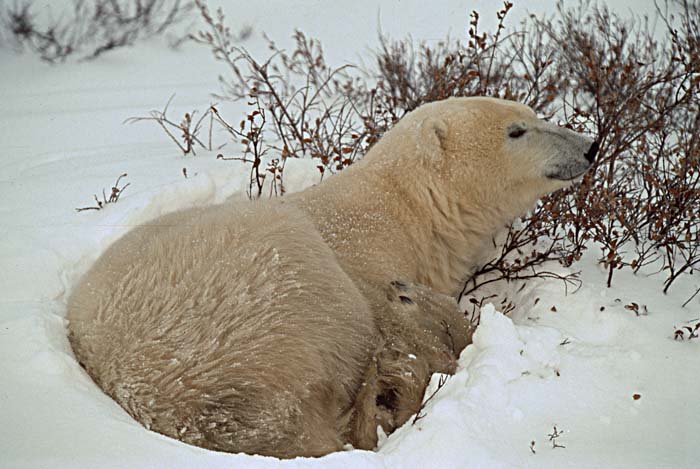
501 151
543 152
511 141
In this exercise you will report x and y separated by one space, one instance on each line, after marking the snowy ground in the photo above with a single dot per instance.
618 385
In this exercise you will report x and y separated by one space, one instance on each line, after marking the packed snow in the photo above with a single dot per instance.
573 379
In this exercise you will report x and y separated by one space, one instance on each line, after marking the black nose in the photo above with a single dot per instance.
592 151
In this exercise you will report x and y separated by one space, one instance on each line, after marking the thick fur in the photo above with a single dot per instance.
294 326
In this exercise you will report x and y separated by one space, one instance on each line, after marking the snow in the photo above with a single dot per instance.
578 368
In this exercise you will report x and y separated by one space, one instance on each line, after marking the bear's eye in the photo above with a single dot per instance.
516 130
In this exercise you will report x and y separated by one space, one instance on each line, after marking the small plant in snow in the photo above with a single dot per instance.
113 196
638 311
687 332
553 437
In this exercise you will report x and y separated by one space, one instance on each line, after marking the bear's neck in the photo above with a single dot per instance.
443 236
405 225
452 236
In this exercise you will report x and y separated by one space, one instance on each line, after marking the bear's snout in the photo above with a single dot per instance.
592 152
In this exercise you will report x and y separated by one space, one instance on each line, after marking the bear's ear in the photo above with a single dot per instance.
433 133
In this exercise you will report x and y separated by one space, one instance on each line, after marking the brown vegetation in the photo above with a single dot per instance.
89 28
586 68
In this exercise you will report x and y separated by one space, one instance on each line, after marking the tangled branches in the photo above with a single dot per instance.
586 68
91 28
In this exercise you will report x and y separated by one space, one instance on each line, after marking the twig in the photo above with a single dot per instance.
419 415
114 196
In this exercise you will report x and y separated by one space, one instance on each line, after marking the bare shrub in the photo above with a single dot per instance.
640 204
250 134
90 28
586 68
306 104
595 72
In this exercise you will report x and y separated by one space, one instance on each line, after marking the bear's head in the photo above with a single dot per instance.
495 151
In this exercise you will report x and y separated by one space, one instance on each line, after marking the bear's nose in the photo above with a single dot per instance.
592 152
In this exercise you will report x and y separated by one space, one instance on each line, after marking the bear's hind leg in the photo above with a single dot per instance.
392 391
423 333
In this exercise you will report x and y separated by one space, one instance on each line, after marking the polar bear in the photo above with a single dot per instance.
294 326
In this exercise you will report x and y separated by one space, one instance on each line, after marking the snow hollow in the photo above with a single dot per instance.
575 380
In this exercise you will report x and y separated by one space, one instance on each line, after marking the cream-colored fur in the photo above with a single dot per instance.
293 326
